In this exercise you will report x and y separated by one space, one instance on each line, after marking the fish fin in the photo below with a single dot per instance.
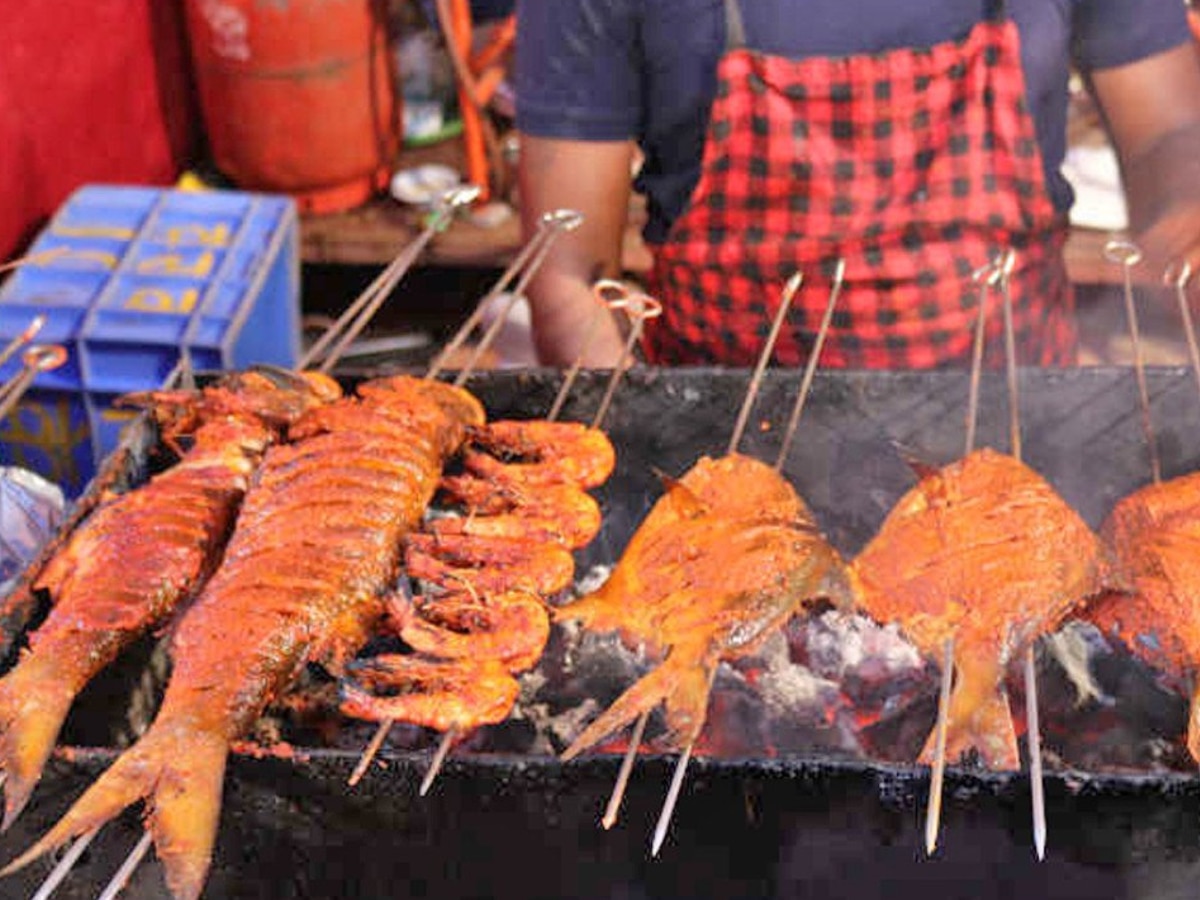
979 719
686 502
184 812
643 695
687 701
127 780
922 466
181 777
1193 729
33 708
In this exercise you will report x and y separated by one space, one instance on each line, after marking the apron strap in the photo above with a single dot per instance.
735 30
995 11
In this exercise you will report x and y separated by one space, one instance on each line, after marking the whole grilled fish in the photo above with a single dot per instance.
135 560
316 547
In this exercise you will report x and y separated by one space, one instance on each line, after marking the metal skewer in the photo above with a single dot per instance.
123 874
352 321
1180 279
33 259
668 807
785 306
606 302
1033 735
35 360
1033 731
529 259
550 227
986 278
810 369
63 867
640 308
664 819
612 810
23 338
933 812
439 757
1127 255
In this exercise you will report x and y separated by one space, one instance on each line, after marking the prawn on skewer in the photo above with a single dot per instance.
520 507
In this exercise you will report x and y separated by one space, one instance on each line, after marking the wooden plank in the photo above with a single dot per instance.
375 232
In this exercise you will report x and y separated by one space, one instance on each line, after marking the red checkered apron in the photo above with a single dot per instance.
915 167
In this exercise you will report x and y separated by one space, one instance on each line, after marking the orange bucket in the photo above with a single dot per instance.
298 96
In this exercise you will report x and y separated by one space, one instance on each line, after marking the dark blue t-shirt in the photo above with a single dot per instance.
646 69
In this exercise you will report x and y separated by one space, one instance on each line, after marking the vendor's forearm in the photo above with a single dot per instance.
568 322
594 179
1163 175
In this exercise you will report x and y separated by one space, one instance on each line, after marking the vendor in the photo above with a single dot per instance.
912 140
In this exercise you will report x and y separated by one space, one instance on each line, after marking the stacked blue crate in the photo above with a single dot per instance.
127 277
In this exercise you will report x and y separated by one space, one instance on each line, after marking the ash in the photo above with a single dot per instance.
832 683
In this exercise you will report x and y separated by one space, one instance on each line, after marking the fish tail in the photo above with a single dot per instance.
642 696
979 718
184 813
32 711
180 775
1193 730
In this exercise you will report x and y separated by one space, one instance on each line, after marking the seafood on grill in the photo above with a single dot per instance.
138 557
540 452
1154 537
487 571
724 558
315 549
983 551
270 395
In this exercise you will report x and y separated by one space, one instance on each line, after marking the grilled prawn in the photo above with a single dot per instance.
315 548
487 569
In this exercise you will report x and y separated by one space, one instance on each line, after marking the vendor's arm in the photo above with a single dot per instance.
593 178
1152 107
579 102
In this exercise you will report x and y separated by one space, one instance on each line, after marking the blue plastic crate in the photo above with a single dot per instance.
129 276
48 433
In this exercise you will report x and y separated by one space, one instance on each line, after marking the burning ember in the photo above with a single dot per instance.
833 684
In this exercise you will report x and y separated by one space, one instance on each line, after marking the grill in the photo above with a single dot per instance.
780 820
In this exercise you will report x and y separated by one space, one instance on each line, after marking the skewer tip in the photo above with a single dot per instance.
435 764
369 752
668 808
933 812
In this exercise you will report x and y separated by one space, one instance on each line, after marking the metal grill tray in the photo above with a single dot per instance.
521 827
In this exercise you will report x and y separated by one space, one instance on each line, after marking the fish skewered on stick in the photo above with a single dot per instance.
294 586
349 630
722 560
1154 535
139 557
980 557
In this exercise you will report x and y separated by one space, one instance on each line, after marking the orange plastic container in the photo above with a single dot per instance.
298 96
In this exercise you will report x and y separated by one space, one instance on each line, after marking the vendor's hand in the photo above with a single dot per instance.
1152 108
561 299
578 331
1173 240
